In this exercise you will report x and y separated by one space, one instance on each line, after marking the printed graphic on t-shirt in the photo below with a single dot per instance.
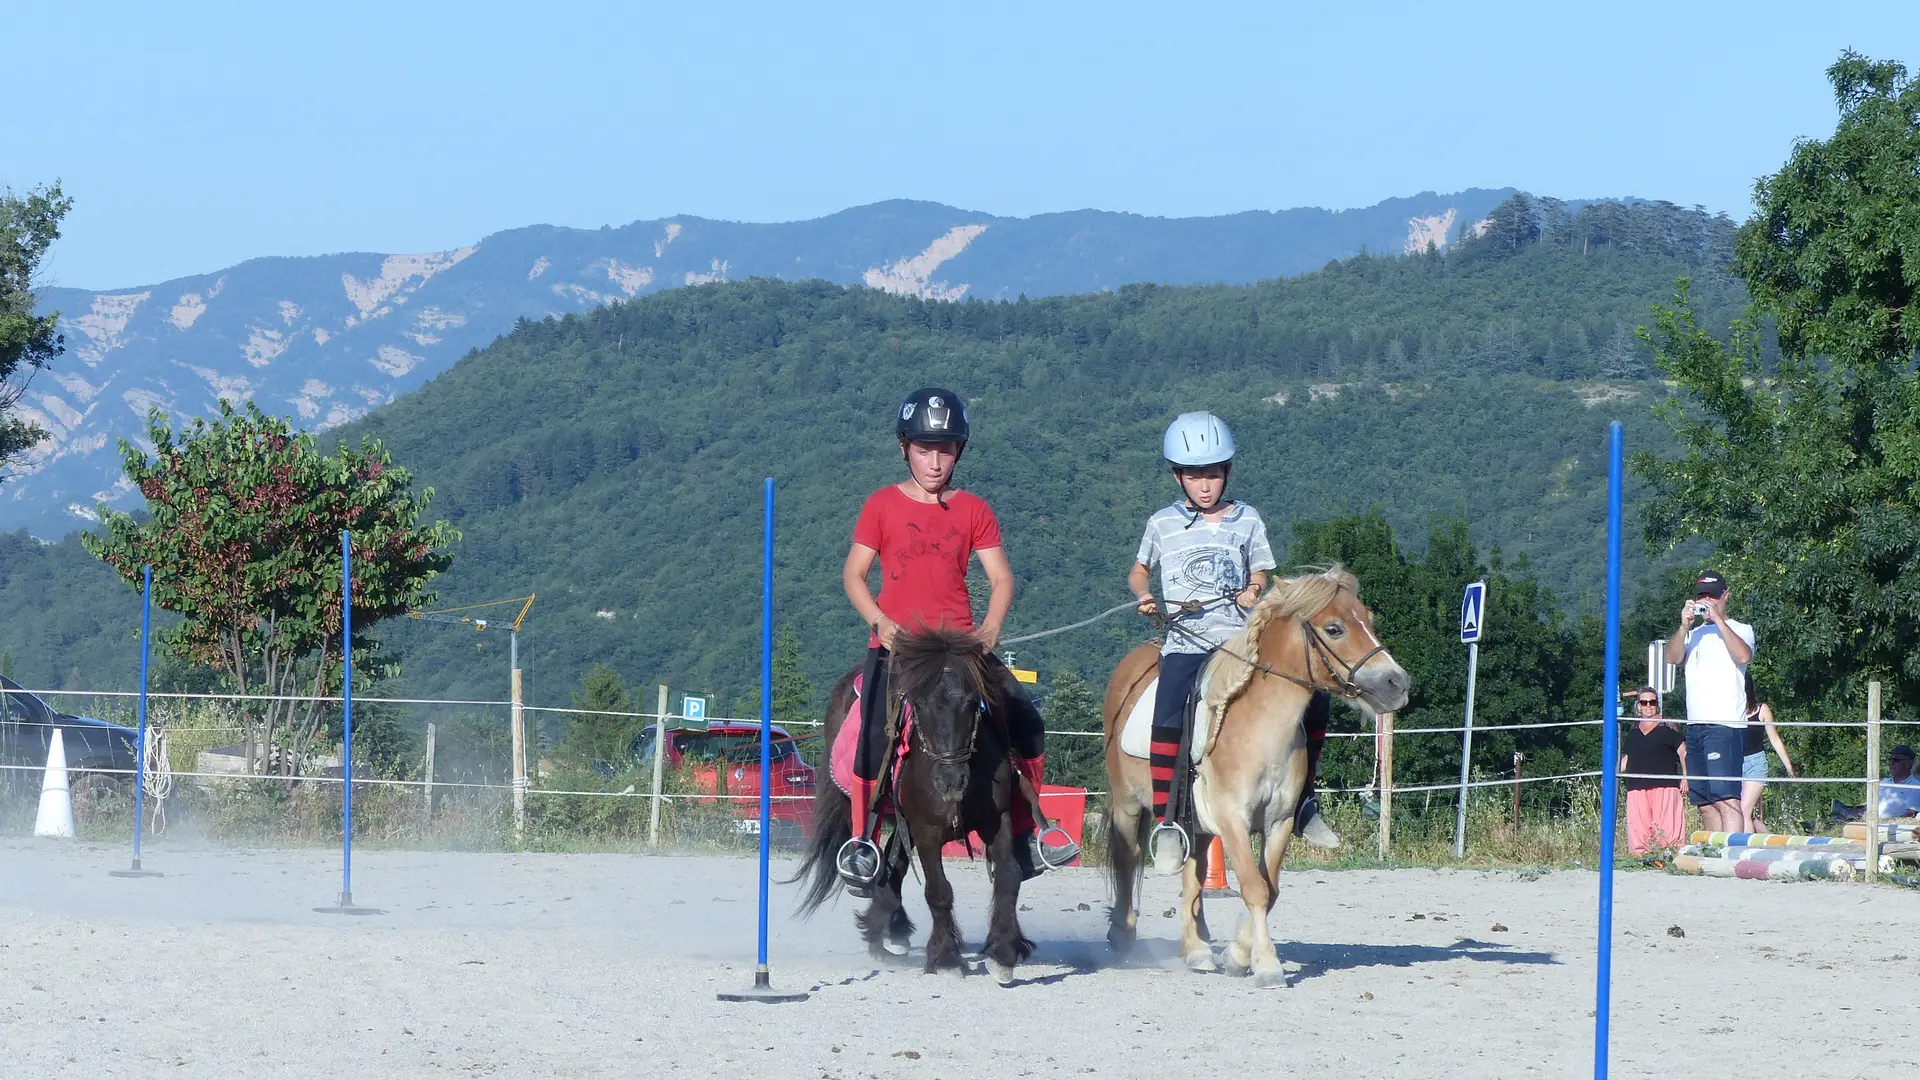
941 540
1211 571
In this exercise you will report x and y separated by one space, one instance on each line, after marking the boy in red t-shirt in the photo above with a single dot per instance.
923 531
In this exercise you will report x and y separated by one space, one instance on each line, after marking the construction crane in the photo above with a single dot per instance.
446 615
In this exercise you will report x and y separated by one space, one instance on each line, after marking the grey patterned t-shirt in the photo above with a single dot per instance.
1201 560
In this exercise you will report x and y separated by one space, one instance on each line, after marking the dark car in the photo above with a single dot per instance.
725 760
27 725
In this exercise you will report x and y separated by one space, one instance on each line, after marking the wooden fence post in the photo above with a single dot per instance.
1518 757
1383 755
429 772
659 766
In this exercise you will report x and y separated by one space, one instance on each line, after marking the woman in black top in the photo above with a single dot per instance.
1657 773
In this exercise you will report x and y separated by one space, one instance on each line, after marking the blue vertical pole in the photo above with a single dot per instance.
1609 756
762 989
346 698
766 720
140 749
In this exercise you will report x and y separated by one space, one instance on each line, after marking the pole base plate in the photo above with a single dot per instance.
346 906
763 991
135 872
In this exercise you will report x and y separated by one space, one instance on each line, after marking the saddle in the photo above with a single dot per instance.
846 746
1136 734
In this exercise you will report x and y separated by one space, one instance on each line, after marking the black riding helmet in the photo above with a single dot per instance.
933 415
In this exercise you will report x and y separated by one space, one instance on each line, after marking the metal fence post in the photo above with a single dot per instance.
1873 780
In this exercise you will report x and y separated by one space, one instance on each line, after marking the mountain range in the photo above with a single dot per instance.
325 339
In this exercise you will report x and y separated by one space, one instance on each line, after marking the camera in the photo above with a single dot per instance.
1700 610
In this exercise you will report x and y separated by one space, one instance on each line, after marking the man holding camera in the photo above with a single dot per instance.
1717 651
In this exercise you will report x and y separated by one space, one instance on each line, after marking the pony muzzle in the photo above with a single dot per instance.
950 781
1384 684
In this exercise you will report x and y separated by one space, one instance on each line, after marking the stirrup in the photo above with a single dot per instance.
858 863
1186 844
1066 850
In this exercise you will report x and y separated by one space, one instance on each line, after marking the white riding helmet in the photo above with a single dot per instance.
1197 438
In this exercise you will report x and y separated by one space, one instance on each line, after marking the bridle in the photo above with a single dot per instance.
896 701
1314 647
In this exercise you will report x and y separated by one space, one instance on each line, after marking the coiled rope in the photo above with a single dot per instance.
157 773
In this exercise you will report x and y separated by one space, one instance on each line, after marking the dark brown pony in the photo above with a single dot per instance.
957 778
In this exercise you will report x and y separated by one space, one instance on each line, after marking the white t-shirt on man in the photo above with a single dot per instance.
1716 686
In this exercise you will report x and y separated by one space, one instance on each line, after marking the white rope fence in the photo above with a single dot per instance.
160 777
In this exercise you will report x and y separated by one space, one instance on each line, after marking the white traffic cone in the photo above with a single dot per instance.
56 802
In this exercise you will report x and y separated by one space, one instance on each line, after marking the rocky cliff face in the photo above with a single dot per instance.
325 339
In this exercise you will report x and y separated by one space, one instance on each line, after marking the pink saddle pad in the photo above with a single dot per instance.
846 743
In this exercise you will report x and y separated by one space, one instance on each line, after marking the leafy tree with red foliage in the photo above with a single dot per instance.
242 530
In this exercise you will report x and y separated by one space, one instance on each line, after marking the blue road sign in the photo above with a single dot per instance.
1473 611
694 708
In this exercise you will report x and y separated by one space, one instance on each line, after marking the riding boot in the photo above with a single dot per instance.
1032 851
858 860
862 805
1308 825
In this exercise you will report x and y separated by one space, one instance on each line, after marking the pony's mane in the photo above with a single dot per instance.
1289 597
920 657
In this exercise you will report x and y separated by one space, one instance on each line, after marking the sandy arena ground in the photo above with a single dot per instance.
607 965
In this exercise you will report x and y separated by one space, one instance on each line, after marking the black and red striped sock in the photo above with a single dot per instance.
1161 755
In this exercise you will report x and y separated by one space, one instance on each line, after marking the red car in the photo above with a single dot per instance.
725 760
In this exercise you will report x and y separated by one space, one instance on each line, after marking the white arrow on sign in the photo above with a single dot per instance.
1473 607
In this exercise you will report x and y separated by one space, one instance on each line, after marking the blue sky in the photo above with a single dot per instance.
193 136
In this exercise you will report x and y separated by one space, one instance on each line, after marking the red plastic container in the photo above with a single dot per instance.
1067 806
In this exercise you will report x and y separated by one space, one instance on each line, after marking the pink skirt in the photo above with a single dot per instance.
1656 819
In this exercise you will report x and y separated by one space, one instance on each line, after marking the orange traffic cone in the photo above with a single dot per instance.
1216 866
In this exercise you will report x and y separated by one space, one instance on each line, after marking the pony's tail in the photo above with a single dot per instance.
832 828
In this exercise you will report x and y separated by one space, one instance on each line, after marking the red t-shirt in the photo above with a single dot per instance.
924 548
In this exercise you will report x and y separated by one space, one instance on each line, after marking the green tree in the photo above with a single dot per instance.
597 736
1538 664
242 531
793 693
29 225
1802 475
1074 760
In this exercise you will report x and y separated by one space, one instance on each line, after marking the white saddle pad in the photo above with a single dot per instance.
1136 737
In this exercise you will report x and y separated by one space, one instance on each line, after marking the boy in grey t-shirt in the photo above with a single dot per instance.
1213 553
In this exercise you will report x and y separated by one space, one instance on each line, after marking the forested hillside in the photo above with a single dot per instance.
611 461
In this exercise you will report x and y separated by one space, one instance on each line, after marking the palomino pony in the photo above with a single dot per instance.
1307 633
957 777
